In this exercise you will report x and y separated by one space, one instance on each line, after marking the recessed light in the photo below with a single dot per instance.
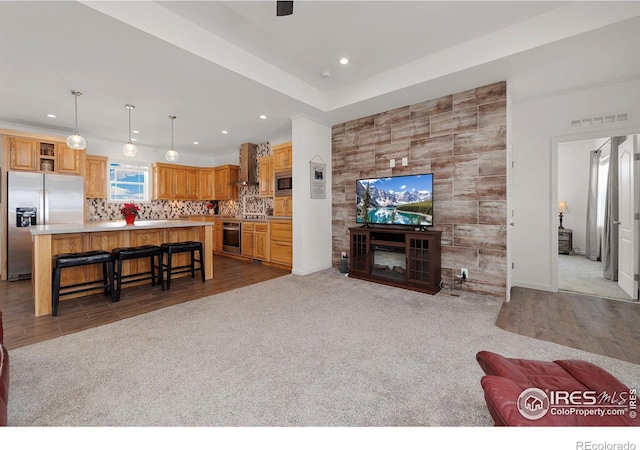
196 142
326 73
52 116
344 61
225 132
135 132
262 116
134 139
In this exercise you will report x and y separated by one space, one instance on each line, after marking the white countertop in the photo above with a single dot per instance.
114 225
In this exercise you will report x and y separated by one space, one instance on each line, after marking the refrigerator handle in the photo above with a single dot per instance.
43 216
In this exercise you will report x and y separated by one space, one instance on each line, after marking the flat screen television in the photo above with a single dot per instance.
399 200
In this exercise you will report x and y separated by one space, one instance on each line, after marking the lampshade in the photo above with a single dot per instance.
75 141
171 155
562 207
129 149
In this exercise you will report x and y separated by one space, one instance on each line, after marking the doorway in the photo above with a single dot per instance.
581 211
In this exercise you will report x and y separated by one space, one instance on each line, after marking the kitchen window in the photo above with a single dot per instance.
129 182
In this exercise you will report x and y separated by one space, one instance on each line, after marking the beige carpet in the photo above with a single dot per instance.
318 350
576 273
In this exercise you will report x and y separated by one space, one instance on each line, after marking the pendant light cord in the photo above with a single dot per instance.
75 94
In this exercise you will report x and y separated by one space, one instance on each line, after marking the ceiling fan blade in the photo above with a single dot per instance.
284 8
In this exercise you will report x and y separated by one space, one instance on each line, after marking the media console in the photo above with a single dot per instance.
404 258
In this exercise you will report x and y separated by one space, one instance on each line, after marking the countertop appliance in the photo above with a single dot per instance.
38 199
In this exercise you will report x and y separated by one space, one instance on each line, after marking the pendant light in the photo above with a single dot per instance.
171 155
129 149
76 141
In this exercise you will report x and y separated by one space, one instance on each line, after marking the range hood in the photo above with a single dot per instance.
248 165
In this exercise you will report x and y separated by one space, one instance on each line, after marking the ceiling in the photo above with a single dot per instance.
219 65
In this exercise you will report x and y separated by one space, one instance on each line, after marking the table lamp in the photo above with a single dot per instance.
562 208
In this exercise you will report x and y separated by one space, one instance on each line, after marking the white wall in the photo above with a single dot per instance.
312 217
539 125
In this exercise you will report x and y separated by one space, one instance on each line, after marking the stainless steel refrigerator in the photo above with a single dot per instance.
38 199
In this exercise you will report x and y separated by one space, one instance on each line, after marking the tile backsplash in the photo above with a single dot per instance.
248 203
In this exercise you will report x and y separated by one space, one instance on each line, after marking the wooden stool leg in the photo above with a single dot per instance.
153 270
55 295
118 277
111 279
105 279
160 271
168 271
201 264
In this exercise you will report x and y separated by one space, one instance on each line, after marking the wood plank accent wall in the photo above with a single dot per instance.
461 138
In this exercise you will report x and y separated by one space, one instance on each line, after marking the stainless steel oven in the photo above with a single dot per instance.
231 237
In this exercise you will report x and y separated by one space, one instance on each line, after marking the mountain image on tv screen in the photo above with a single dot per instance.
400 200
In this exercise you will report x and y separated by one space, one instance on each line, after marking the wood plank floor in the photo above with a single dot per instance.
597 325
21 327
601 326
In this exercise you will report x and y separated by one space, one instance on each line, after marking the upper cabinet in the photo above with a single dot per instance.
23 154
175 182
207 186
185 180
35 155
282 156
225 179
95 176
265 177
68 160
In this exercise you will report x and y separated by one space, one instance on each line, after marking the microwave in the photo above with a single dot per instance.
283 183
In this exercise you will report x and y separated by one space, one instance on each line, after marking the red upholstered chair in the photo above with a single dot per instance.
4 377
506 378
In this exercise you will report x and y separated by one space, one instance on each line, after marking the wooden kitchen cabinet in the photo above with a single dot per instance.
280 242
175 182
185 182
217 236
283 206
23 154
282 156
254 240
265 176
95 176
68 160
247 241
206 188
225 178
261 241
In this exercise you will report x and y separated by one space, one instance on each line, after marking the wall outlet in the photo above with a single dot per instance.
464 273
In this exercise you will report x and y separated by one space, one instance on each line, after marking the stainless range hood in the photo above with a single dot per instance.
248 165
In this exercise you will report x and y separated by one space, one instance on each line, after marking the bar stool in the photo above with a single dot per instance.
172 248
127 253
66 260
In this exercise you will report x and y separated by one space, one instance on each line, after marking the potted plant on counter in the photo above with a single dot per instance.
130 211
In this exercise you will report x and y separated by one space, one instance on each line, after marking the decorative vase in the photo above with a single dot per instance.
130 218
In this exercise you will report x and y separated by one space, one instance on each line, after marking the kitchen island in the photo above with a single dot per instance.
50 240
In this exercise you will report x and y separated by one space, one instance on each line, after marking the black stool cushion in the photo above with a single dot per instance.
142 251
80 259
177 247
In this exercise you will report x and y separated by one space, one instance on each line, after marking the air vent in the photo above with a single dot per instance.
596 121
